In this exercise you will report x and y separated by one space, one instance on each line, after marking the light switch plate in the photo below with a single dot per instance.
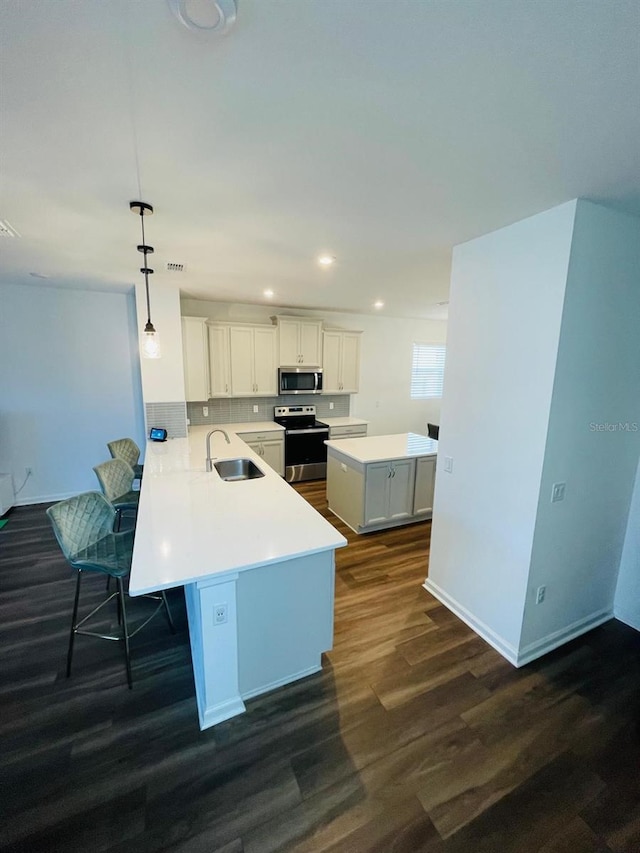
448 464
557 492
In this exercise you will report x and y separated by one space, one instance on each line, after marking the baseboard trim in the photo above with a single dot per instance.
499 643
280 682
523 656
564 635
46 499
630 619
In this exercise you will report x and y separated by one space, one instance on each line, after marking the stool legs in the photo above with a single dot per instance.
73 623
167 612
125 630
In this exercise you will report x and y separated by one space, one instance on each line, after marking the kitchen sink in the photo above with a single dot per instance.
237 469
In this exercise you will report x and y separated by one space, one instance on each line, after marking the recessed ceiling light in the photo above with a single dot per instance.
268 293
378 304
326 260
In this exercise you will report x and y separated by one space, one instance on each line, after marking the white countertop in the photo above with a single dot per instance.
347 421
245 426
383 448
192 524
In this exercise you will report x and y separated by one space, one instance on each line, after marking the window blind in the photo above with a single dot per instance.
427 370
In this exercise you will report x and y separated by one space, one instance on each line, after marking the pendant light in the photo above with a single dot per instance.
151 341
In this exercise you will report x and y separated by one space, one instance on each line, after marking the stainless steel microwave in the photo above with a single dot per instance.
300 380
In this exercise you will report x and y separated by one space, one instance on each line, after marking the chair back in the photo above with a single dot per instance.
80 521
115 478
125 448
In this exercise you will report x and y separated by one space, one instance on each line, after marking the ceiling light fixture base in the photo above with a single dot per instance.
205 16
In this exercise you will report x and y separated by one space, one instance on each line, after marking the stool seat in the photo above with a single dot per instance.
116 479
127 449
83 526
111 555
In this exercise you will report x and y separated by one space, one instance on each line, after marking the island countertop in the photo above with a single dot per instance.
384 448
346 420
192 524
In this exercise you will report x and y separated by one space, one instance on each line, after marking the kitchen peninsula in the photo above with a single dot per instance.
381 481
257 565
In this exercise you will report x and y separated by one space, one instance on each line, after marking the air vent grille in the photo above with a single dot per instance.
175 267
7 230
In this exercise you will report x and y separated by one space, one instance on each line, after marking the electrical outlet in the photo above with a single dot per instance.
557 492
256 409
205 411
219 614
331 406
540 594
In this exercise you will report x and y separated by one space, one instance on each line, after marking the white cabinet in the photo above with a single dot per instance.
388 491
269 445
352 431
299 341
219 361
253 361
425 485
340 362
195 359
370 496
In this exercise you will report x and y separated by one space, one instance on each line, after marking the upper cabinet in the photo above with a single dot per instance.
341 362
219 361
195 356
299 341
253 361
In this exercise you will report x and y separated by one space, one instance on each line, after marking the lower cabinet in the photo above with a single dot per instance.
425 485
376 495
269 446
389 490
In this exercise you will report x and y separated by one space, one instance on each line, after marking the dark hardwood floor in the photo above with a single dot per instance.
416 736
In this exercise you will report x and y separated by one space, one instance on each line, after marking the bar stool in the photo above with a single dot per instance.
127 449
116 481
83 526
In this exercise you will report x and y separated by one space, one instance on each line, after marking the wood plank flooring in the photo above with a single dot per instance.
415 738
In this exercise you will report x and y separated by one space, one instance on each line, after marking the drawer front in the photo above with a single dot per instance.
268 435
348 432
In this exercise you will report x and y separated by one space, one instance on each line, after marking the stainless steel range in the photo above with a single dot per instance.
305 451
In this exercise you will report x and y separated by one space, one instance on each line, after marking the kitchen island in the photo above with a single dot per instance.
256 562
381 481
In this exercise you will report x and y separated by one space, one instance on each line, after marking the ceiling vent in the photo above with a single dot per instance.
6 230
175 267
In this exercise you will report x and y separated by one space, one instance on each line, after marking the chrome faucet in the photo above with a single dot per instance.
209 462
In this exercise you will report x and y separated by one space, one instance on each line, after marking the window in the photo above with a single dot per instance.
427 370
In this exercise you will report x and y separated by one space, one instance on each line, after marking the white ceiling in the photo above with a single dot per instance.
382 132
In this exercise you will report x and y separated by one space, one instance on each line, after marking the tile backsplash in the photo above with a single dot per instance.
171 416
229 410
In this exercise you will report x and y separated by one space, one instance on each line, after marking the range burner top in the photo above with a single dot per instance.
297 417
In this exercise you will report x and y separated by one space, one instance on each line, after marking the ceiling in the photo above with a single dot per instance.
380 132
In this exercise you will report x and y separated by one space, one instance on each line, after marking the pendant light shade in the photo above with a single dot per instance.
150 344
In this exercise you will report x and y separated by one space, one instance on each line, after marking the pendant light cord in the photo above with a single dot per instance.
146 274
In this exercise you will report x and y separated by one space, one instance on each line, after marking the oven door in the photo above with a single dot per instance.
305 454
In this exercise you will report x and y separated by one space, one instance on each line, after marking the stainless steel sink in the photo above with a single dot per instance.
237 469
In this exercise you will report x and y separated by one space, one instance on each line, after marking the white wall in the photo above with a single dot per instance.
162 378
578 542
69 383
385 366
626 606
507 292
